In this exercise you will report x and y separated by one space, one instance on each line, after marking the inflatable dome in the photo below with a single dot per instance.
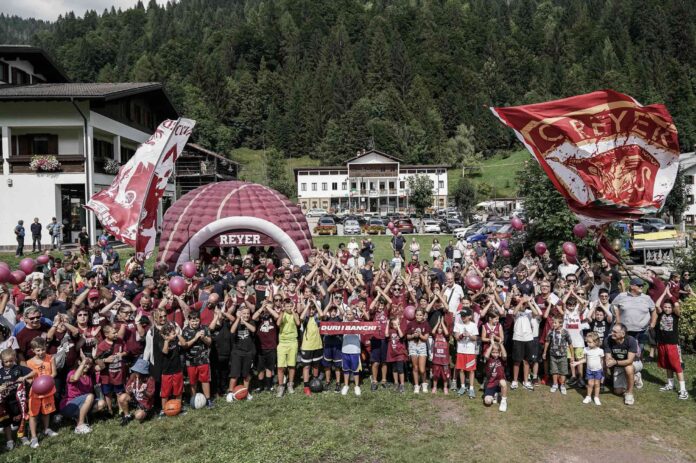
233 213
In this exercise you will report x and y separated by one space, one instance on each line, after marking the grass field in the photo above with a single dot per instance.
387 427
383 244
253 164
498 171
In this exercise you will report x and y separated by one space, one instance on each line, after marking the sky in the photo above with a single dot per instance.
50 9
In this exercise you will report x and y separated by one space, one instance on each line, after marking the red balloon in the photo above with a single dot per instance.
580 230
42 260
473 282
43 384
5 265
390 225
505 253
178 285
17 277
103 243
504 244
5 274
571 259
517 223
540 248
27 265
570 249
410 312
482 263
189 269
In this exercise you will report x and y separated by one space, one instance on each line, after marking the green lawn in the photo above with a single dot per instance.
498 171
253 164
383 244
387 427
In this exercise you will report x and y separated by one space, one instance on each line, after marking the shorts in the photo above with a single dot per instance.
669 357
491 390
619 374
350 363
332 356
524 350
115 388
594 374
172 385
558 366
311 357
198 374
466 362
287 355
240 365
266 360
378 352
9 409
398 367
578 351
41 405
441 372
72 408
417 349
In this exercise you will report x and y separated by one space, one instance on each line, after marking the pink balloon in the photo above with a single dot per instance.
178 285
189 269
43 384
5 265
103 243
473 282
504 244
482 263
17 277
540 248
410 312
5 274
27 265
517 224
42 260
570 249
505 253
390 225
571 259
580 230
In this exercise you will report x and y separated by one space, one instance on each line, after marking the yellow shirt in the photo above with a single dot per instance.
311 339
288 329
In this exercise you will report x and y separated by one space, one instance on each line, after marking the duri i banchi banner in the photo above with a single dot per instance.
128 208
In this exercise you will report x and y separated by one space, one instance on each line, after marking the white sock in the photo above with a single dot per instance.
471 388
670 382
682 386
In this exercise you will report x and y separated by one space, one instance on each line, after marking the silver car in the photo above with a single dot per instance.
351 227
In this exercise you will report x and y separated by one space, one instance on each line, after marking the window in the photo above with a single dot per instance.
344 186
353 186
126 154
324 186
381 186
314 187
39 145
303 187
19 77
4 72
689 199
402 184
103 149
690 219
334 186
31 144
441 184
688 179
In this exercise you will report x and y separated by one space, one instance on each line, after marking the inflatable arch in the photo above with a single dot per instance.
233 213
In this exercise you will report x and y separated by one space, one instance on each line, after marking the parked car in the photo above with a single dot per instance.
462 232
316 212
431 226
375 226
405 226
652 224
449 224
351 227
326 226
483 233
505 232
360 219
336 218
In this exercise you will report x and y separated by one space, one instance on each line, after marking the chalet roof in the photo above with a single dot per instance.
207 152
393 158
106 91
42 62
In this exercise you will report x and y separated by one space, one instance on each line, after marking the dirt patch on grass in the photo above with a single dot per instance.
448 411
618 447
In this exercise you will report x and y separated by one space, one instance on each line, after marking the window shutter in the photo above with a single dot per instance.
53 144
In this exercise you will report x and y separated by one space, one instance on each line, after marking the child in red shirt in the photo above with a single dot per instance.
396 351
110 354
441 357
495 376
139 392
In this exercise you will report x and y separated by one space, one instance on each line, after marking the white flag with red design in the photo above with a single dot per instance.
128 208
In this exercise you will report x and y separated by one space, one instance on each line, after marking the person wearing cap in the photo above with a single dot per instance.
635 310
140 393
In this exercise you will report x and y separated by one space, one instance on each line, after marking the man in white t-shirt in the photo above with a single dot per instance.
466 333
565 268
523 349
453 293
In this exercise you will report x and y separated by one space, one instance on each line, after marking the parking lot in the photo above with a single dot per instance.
312 221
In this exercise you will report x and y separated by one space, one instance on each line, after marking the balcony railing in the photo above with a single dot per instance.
69 163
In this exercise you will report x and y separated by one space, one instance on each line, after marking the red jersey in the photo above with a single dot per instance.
142 390
115 371
382 317
396 350
495 371
441 351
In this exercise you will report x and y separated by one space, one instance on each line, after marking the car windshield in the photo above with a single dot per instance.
376 222
351 223
326 221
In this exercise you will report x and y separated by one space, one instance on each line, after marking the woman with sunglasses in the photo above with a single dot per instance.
90 333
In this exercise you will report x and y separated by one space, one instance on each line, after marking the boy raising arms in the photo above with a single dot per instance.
495 355
287 321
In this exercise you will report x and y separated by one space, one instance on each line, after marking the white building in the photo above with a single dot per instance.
687 164
84 125
370 182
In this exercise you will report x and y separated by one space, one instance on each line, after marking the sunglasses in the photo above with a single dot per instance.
34 318
82 315
277 300
572 281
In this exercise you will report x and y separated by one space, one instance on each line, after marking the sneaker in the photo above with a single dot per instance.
125 419
461 391
337 389
535 381
281 391
402 389
373 387
582 383
554 388
472 393
34 443
416 389
503 405
210 404
683 395
572 381
9 445
667 388
527 385
307 391
514 385
596 401
384 385
629 399
587 400
161 415
344 390
50 433
291 388
24 440
424 387
85 429
638 380
357 391
453 384
564 391
249 397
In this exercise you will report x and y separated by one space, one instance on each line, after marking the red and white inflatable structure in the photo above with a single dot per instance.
233 213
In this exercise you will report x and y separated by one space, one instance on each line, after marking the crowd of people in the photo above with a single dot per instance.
119 341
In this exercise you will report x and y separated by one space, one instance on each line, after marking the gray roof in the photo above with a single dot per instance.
687 161
64 91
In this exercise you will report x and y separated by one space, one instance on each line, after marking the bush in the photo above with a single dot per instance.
687 324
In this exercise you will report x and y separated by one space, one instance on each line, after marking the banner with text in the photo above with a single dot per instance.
349 328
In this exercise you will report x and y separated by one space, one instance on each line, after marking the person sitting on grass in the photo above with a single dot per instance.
667 336
41 404
622 355
593 358
140 393
496 386
78 401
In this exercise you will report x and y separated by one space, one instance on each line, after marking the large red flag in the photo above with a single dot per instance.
610 157
128 208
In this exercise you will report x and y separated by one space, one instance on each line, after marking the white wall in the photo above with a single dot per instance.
319 179
43 113
69 139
